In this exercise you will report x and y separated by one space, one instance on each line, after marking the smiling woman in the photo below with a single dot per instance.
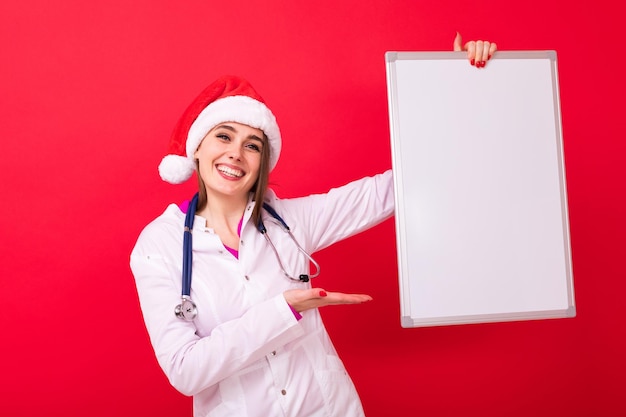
229 161
256 330
255 345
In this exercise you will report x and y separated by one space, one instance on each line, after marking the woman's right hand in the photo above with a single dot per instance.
478 52
302 300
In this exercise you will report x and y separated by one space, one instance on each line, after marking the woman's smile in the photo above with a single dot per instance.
230 172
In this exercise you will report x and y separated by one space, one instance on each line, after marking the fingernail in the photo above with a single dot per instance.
472 61
323 293
489 57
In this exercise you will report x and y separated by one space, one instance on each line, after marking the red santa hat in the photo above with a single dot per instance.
228 99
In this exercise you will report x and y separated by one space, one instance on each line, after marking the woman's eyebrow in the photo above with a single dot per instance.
232 129
225 126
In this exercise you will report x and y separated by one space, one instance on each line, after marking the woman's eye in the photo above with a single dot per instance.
254 147
222 136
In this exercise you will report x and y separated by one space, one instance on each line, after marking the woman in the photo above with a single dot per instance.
255 344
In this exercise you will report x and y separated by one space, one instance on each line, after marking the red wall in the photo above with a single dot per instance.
89 92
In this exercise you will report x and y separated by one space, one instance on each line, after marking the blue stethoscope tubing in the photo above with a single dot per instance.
187 245
187 309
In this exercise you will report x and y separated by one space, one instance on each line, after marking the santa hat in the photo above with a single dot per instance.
228 99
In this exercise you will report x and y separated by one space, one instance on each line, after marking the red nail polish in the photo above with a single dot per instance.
489 57
472 61
323 293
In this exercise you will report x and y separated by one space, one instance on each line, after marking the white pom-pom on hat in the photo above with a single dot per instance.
176 169
228 99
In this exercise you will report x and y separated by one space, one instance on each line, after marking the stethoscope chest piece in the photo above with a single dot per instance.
186 310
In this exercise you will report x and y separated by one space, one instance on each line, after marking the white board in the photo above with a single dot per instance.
481 206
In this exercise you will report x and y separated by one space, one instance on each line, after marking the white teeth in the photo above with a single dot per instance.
229 171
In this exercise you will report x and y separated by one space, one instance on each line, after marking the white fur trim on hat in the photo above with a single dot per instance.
238 109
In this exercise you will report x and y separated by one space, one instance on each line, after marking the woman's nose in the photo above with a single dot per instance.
234 152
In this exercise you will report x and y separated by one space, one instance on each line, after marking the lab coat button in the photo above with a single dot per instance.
283 392
247 278
273 353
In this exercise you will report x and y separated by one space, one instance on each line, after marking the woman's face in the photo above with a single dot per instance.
229 158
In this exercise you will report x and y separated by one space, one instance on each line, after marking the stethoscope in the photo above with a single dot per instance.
187 309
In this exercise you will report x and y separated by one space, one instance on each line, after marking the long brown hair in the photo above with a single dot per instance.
259 188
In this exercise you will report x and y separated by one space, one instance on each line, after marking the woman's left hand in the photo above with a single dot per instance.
478 52
306 299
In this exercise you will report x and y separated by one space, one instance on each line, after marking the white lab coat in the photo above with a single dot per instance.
246 354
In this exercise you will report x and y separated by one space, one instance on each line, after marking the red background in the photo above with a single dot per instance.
89 92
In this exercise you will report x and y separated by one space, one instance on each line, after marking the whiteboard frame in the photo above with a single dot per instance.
409 284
